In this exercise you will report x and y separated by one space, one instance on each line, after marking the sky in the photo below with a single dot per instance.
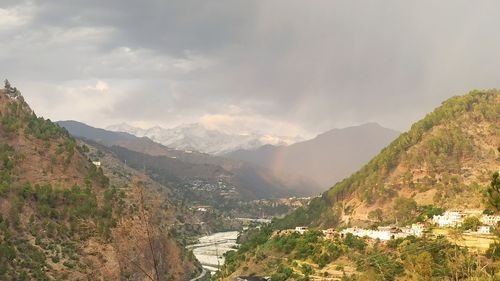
277 67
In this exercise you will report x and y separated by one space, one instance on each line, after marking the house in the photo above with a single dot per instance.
301 229
97 163
490 219
280 233
483 230
416 229
449 218
386 233
329 233
202 208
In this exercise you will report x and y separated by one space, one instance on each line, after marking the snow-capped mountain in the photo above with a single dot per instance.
198 138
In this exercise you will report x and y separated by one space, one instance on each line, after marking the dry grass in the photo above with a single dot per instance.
473 241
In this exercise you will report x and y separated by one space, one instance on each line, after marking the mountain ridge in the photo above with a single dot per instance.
327 158
61 217
444 159
196 137
252 181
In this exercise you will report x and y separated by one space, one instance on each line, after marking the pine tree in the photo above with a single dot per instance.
493 192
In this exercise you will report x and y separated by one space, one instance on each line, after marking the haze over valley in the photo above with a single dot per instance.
249 140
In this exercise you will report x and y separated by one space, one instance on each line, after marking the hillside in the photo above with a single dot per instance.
181 168
326 159
445 159
62 218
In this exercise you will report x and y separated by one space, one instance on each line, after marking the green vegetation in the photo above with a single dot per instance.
470 223
405 209
45 224
376 214
296 257
19 116
441 151
493 192
437 145
63 218
7 164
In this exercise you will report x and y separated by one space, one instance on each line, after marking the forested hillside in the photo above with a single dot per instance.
446 159
61 218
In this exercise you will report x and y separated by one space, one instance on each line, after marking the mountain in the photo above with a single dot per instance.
63 218
445 160
327 158
196 137
185 168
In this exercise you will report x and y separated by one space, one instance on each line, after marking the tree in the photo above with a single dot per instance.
423 266
7 85
405 209
493 192
376 214
470 223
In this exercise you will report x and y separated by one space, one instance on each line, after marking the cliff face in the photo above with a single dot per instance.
62 218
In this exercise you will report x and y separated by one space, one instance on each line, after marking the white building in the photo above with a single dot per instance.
483 230
301 229
449 218
373 234
490 219
416 229
97 163
387 232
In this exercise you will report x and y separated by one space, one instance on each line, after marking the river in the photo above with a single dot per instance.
210 249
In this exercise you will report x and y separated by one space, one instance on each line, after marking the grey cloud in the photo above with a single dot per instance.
316 64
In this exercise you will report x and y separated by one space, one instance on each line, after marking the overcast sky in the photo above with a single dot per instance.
283 67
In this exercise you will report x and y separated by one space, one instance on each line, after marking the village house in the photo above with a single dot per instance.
382 234
416 229
329 233
285 232
448 219
97 163
386 232
301 229
202 208
483 229
455 218
490 219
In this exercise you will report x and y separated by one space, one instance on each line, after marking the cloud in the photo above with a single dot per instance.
248 124
14 17
101 86
248 65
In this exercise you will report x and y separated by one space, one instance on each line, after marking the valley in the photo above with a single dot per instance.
227 218
267 140
381 224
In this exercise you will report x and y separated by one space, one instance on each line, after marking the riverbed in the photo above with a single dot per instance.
210 249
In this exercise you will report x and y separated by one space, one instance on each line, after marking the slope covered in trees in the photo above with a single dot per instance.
62 219
445 160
